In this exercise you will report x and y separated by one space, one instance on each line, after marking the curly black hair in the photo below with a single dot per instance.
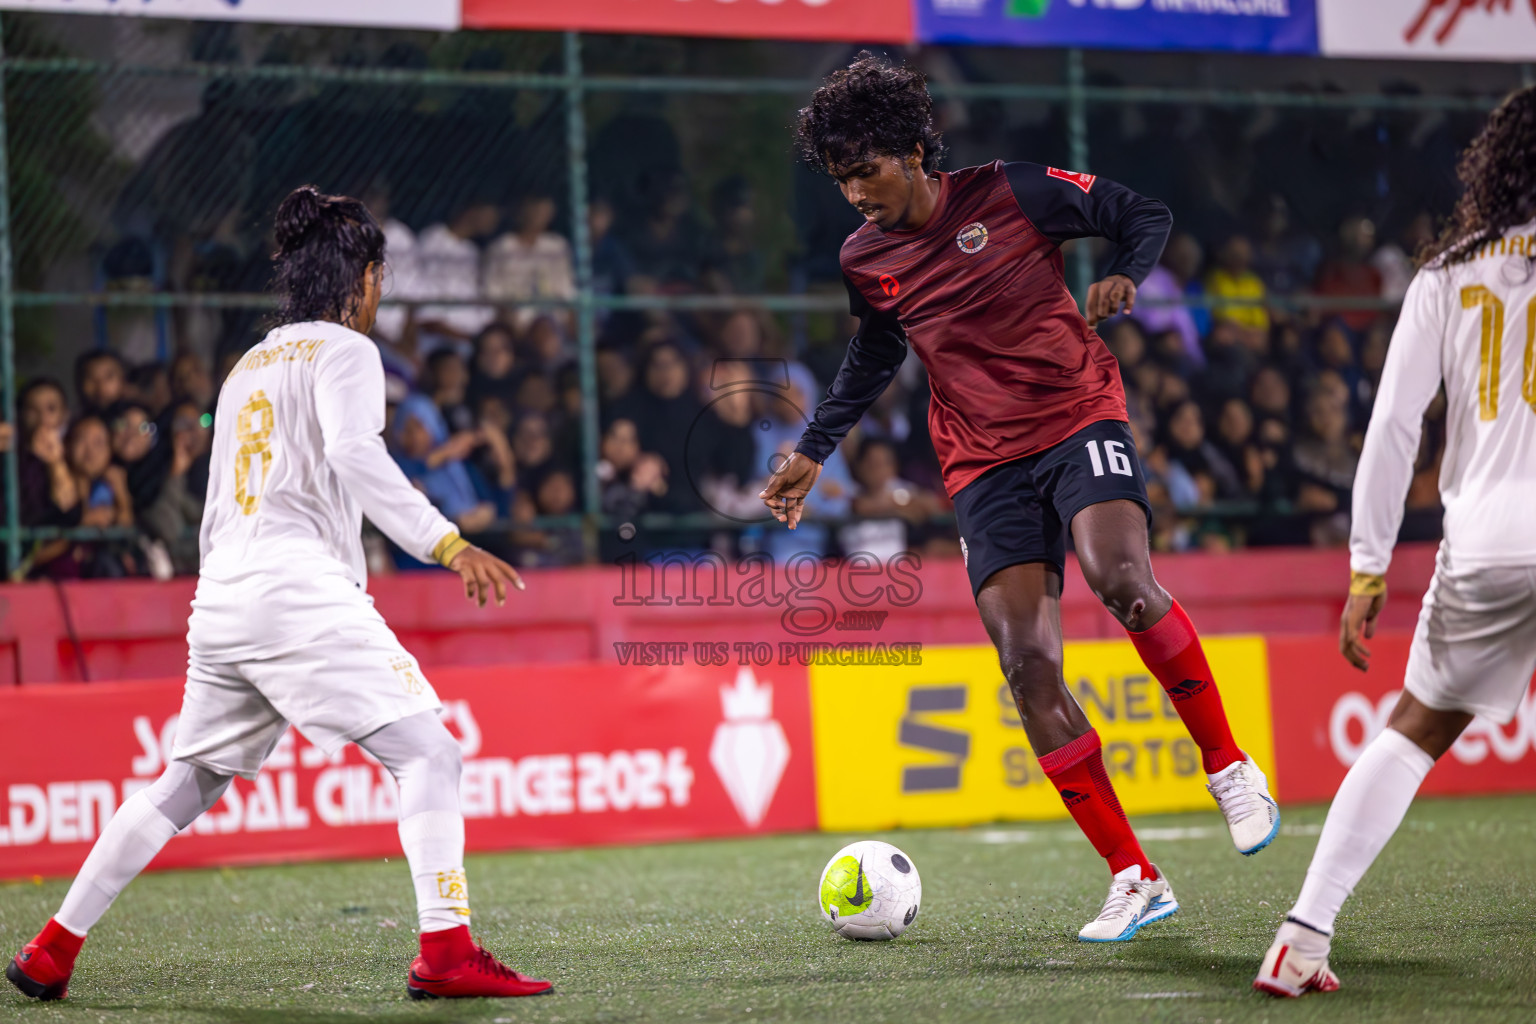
1499 172
324 245
870 108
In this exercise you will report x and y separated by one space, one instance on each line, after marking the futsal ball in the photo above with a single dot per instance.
870 890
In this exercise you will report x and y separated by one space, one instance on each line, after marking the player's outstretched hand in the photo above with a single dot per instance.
1107 296
484 574
785 491
1359 620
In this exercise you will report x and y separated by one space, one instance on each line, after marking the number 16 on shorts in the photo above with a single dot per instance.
1114 454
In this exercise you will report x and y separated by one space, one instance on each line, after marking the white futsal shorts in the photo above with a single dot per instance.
1475 646
352 681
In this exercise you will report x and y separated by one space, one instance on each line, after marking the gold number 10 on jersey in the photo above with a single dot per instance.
253 429
1490 351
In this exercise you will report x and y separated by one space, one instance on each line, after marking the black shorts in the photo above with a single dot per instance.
1020 511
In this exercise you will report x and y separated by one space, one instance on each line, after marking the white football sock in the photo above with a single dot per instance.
1368 808
130 841
434 848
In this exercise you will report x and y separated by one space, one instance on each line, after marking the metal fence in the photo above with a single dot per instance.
101 142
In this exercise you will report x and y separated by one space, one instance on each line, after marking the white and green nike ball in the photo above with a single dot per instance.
870 890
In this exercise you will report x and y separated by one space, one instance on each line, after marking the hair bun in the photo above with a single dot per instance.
297 216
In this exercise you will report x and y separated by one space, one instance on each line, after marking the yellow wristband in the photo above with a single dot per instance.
448 548
1363 584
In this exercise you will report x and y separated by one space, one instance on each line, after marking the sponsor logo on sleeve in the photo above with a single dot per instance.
1082 181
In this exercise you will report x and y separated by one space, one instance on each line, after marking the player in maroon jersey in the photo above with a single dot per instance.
1029 421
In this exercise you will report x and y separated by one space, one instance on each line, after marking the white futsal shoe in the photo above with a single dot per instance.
1242 793
1132 903
1297 963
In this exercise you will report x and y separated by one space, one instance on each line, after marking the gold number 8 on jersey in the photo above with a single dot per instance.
253 429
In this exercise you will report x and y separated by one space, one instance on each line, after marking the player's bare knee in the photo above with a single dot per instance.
1032 668
1129 593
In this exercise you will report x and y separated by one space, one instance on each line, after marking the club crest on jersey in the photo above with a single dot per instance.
972 238
1081 180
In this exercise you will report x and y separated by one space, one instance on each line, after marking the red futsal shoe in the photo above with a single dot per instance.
42 968
452 966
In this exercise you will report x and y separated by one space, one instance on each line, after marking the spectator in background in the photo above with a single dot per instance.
104 503
533 449
448 267
1233 279
492 371
722 448
1350 274
435 462
665 409
530 262
1183 258
631 480
742 335
150 386
889 504
1160 309
1325 465
177 511
666 245
100 380
612 266
1286 259
833 495
1395 260
191 381
444 378
556 496
49 493
1184 439
615 376
733 256
139 449
546 345
1335 351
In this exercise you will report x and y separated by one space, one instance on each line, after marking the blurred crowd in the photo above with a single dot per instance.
1248 413
1249 408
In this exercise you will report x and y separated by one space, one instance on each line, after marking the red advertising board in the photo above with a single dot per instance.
874 21
570 755
1325 711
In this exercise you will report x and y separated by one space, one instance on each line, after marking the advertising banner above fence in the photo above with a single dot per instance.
570 755
1443 29
875 21
1272 26
429 14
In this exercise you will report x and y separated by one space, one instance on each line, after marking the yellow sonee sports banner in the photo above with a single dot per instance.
940 743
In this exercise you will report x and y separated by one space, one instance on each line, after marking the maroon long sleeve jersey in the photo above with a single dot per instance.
979 292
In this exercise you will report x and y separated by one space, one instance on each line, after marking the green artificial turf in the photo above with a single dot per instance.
1442 930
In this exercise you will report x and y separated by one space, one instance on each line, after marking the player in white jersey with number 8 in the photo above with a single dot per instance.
1469 322
282 630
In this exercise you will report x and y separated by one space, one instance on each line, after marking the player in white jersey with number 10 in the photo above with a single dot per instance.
1469 322
282 630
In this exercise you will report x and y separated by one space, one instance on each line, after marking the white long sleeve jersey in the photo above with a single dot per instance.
1471 325
298 459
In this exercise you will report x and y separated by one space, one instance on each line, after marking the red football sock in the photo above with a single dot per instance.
446 949
1077 770
63 944
1172 651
